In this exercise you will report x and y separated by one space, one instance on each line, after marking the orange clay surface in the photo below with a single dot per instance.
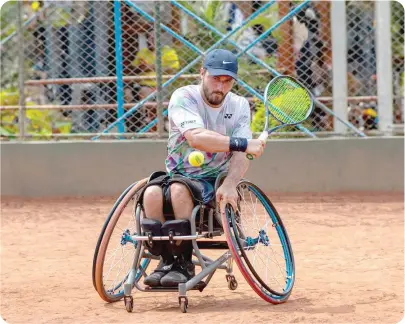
349 252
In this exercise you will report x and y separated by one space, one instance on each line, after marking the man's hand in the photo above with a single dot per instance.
255 147
227 194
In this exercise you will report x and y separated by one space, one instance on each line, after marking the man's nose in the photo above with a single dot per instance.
220 87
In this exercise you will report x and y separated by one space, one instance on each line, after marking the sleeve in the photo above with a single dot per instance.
183 112
141 55
170 58
242 126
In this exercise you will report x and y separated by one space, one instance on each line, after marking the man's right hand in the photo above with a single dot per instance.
255 147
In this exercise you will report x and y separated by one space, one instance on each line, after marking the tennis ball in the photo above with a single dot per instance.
196 158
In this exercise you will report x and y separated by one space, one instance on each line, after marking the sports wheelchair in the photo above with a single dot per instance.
253 236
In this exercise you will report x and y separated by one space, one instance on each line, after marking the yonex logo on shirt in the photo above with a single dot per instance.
187 122
228 116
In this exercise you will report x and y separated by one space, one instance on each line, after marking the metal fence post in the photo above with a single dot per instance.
159 70
21 76
384 65
118 64
339 64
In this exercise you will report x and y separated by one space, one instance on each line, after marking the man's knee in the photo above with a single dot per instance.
179 193
153 194
182 201
153 202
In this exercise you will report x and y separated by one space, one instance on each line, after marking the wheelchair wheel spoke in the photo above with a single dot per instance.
119 261
250 209
270 269
121 266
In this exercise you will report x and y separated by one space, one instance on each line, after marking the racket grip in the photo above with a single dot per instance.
263 137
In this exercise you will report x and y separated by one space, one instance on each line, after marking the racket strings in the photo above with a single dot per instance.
288 101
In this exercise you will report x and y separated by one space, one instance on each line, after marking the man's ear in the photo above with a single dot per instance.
202 72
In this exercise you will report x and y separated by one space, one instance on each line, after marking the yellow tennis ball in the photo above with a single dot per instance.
196 158
35 5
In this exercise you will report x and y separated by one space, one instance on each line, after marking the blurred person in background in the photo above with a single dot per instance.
310 66
361 54
269 43
144 64
311 53
235 17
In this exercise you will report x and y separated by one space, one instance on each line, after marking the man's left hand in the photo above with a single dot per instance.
227 194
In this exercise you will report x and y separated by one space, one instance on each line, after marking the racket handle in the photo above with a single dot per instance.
263 137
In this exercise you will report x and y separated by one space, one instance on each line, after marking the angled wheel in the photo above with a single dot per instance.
183 302
232 284
115 252
129 303
259 244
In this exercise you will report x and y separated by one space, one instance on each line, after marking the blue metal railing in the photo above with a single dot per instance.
260 62
182 71
118 60
122 116
243 51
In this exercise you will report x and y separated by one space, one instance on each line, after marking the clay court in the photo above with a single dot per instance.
349 253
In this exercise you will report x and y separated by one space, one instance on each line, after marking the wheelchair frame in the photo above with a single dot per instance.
208 266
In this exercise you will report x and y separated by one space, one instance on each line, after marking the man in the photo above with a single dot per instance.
209 118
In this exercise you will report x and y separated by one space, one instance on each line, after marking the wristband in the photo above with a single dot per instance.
238 144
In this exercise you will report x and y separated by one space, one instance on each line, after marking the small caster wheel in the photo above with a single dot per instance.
183 301
129 303
232 284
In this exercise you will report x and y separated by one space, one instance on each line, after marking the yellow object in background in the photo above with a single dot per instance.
35 5
170 61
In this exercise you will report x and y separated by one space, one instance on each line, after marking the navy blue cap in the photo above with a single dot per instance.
221 62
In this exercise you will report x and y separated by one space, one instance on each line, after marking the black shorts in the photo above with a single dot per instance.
201 190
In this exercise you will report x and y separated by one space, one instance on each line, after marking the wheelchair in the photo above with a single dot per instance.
253 236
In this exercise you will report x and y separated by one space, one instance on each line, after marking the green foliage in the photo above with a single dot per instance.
212 10
8 18
259 117
267 19
40 123
397 28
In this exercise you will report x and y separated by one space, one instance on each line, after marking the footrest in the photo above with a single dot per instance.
177 227
200 286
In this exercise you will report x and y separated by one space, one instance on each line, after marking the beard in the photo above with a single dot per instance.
213 98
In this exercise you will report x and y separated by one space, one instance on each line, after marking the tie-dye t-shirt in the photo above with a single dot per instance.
187 110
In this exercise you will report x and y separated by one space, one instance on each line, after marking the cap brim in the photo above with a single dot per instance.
216 72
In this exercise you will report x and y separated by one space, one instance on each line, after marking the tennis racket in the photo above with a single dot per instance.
286 100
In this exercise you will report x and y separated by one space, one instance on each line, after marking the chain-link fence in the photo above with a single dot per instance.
397 39
76 53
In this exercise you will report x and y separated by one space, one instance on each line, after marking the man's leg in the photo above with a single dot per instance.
153 203
183 269
182 202
153 206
